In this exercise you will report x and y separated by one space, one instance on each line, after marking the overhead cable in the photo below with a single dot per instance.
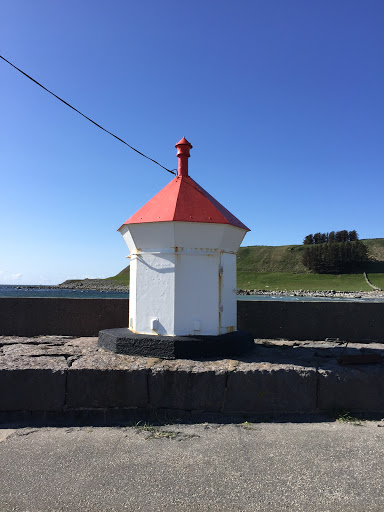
86 117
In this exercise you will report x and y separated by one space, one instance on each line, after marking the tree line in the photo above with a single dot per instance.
332 236
335 252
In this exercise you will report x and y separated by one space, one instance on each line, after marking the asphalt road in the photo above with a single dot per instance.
319 466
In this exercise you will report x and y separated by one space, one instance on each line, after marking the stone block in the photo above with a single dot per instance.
186 390
93 388
352 388
264 387
125 341
33 389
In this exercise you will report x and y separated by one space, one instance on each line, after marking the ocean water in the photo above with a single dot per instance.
41 292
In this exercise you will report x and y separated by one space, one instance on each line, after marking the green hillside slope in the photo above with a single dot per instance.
262 258
287 258
120 278
281 268
377 279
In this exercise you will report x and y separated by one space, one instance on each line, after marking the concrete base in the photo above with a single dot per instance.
124 341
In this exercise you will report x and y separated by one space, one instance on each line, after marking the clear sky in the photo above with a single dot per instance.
282 101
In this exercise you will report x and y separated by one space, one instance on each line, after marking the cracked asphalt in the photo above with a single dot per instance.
301 465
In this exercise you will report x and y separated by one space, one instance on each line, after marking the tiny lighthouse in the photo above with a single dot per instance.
182 297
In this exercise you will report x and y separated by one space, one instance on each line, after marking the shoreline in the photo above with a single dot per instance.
318 293
96 285
93 285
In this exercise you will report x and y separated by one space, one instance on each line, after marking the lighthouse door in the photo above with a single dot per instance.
227 293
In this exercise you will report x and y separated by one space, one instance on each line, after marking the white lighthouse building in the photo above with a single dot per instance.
183 246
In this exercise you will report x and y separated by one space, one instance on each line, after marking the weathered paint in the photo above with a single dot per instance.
183 246
163 236
180 284
228 292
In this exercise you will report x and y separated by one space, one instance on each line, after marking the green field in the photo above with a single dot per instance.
281 268
309 282
377 280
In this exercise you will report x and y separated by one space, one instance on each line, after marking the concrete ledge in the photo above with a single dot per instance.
32 389
351 388
198 389
64 375
272 388
104 389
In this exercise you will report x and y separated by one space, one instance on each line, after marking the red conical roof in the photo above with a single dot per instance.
183 200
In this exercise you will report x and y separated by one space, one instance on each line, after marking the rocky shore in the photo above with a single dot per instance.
320 293
101 285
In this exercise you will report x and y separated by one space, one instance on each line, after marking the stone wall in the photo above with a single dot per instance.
68 317
63 378
352 321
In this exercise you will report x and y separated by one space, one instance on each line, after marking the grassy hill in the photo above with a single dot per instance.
120 278
263 258
262 267
281 268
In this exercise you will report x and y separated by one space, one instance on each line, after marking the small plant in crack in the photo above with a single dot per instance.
246 425
346 417
155 432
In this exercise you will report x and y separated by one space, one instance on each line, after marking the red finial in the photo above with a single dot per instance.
183 147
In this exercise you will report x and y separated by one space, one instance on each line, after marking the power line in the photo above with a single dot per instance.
86 117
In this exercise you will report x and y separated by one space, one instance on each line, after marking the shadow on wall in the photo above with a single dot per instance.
351 321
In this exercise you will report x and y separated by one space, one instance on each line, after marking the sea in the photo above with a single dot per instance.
31 291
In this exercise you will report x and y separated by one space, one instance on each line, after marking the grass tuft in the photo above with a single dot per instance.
156 432
346 417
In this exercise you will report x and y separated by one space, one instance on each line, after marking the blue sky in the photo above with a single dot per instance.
282 101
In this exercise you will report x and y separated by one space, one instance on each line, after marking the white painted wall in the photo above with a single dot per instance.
175 287
228 300
155 293
197 293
